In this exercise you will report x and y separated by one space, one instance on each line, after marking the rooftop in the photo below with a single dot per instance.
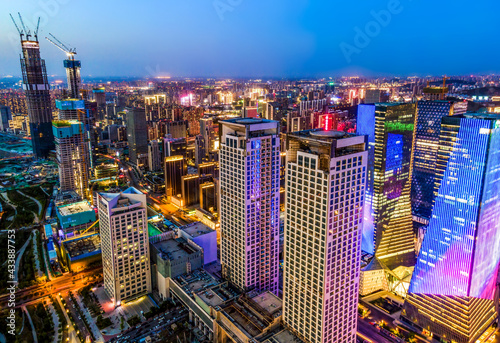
74 208
284 336
83 245
322 135
210 290
174 249
196 229
269 302
246 121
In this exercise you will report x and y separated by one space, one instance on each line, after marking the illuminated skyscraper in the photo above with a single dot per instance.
429 115
73 157
249 203
125 244
388 227
175 169
37 90
454 285
325 188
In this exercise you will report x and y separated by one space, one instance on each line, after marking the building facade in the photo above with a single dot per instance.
325 185
125 244
388 226
37 90
137 135
453 290
426 144
249 205
73 156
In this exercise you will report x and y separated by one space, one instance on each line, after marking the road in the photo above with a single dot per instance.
73 338
60 284
80 324
151 327
19 257
370 333
154 201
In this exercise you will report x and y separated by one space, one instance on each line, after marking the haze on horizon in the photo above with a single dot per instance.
243 38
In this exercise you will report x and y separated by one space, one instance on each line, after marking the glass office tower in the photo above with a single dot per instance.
453 288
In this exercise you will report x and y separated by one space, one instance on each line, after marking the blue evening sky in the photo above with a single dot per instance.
278 38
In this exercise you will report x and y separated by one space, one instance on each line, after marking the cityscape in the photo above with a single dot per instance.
263 199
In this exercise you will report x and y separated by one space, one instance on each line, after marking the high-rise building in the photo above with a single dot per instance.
249 202
388 226
175 169
325 187
37 90
125 244
454 288
154 156
137 135
5 116
73 157
426 143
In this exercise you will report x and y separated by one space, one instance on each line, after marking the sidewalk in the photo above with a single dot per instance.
90 320
55 320
73 338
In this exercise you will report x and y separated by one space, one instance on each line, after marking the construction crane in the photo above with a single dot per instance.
24 31
70 52
72 66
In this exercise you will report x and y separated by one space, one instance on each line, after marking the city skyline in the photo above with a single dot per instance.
241 39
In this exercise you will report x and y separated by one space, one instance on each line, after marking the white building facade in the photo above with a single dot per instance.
325 185
124 244
249 203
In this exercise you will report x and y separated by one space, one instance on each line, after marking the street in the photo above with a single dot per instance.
57 285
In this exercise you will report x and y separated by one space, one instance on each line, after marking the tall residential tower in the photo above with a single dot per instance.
325 189
249 209
73 156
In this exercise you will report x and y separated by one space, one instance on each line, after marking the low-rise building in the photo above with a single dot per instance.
75 217
203 236
171 257
80 252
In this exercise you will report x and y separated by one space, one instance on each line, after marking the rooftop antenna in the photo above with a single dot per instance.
28 33
21 33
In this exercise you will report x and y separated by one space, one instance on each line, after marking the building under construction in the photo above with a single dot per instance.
37 90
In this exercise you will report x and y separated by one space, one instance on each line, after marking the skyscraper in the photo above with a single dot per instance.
72 152
175 169
37 90
125 244
249 203
388 226
426 143
5 116
137 136
325 185
154 156
454 286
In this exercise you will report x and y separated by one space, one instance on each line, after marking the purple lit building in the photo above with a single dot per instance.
454 284
325 189
249 203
